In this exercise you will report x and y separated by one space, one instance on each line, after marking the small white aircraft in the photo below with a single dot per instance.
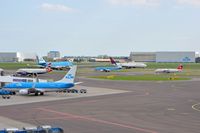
170 70
32 72
129 64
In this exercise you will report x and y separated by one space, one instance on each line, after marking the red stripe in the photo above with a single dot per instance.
97 120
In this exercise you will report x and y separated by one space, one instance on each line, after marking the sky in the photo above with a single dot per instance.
98 27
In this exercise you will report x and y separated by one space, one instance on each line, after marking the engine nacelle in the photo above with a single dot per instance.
23 91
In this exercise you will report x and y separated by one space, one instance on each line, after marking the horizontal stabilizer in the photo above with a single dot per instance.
77 83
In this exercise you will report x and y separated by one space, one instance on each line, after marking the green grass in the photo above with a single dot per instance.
142 77
14 65
190 70
173 65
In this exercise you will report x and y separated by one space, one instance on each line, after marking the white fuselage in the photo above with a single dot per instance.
31 71
133 65
167 70
10 79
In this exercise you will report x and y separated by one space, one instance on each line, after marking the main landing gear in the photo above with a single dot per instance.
6 96
39 93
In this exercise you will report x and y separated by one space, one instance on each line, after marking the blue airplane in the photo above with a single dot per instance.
54 65
38 88
108 69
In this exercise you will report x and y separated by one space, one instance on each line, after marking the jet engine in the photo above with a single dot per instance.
24 91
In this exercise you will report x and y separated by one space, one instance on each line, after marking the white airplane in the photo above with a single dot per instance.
11 79
39 88
32 72
129 64
170 70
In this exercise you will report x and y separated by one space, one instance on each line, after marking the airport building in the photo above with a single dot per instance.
163 56
8 57
53 55
16 56
143 56
176 56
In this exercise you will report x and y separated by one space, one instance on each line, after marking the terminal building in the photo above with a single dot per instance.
163 56
53 55
16 56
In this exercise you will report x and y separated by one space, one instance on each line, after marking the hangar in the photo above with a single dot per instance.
175 56
163 56
16 56
143 56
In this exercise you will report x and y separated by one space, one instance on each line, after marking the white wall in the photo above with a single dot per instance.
8 57
21 56
15 56
175 56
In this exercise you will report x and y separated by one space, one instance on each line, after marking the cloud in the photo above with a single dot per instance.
56 7
136 2
189 2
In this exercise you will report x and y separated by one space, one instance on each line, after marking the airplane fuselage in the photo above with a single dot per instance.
42 86
165 70
133 65
57 65
25 71
107 69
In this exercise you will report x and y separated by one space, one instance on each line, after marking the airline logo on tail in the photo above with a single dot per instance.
180 67
112 61
69 76
40 60
49 69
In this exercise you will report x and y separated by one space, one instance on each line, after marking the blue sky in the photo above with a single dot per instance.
96 27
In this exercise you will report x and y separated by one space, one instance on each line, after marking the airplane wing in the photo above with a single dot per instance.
77 83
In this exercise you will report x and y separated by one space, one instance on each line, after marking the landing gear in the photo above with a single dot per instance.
6 97
39 93
83 91
72 91
36 93
13 93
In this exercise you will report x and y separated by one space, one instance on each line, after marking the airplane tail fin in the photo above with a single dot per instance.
37 59
113 61
48 68
40 60
70 76
180 67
